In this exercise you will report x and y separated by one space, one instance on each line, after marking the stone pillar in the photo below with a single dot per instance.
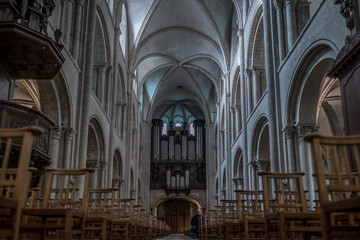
249 100
109 86
68 138
246 176
85 103
305 160
102 171
200 136
68 20
290 22
280 25
262 165
77 29
256 85
253 184
94 164
102 76
271 90
289 137
237 118
56 134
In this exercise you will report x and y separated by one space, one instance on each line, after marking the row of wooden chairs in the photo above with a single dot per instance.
281 210
67 208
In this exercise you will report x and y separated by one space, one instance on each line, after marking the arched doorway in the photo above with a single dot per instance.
177 212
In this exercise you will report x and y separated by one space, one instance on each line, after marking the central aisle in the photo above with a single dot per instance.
176 237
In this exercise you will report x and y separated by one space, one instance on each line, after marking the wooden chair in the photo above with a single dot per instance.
64 207
98 221
286 208
121 218
229 227
338 184
15 177
251 214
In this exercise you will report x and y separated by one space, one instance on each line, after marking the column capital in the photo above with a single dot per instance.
262 164
291 2
92 163
248 72
289 131
278 3
68 133
56 132
302 130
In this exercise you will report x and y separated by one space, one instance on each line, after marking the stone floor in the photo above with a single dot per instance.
176 237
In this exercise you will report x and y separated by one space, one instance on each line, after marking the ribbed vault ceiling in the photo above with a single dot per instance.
179 50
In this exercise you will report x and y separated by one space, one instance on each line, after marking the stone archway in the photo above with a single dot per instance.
176 211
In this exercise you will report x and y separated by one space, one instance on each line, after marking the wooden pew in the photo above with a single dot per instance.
15 177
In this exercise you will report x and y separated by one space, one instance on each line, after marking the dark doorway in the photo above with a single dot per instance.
177 214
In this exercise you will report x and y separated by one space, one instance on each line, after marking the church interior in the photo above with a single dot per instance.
122 119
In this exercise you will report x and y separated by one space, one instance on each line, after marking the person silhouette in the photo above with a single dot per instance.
195 224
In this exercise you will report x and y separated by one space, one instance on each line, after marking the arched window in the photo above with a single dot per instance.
123 31
164 130
192 129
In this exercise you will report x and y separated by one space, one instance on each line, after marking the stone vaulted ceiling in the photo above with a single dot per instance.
179 50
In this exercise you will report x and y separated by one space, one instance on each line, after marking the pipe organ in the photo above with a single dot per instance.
178 156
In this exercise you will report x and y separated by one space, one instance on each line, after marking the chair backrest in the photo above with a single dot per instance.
337 166
101 202
67 188
123 209
230 212
251 204
284 192
14 175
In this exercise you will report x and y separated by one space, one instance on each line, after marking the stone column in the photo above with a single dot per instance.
262 165
102 76
256 85
113 107
290 22
280 25
77 29
237 118
109 86
306 164
68 138
68 20
85 103
102 171
252 184
289 137
94 164
270 82
56 134
249 98
243 105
